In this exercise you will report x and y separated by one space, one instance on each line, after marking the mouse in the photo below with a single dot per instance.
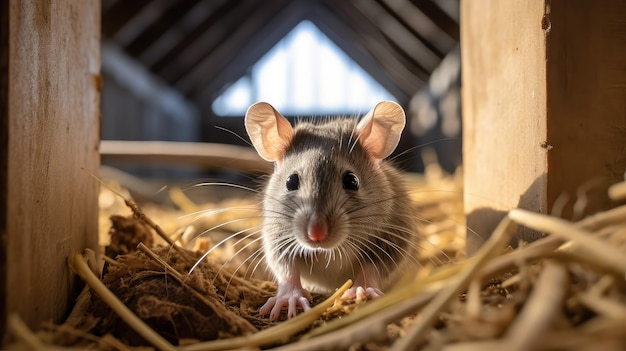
334 207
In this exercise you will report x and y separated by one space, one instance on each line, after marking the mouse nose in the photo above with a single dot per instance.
317 230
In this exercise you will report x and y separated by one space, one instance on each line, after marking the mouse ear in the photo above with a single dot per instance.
269 131
379 131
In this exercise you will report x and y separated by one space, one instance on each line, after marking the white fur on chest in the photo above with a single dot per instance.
323 273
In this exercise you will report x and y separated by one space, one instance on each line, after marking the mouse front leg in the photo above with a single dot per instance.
365 285
290 294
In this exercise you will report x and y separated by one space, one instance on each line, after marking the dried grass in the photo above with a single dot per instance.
565 291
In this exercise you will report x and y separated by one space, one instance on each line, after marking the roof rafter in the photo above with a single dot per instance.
439 16
246 46
352 44
408 44
199 46
194 45
177 31
420 25
404 72
171 12
121 13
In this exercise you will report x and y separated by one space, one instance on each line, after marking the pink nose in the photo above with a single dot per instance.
317 230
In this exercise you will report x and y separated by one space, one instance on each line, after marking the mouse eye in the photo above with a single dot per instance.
350 181
293 182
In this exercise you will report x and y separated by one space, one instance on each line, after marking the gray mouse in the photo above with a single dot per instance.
334 209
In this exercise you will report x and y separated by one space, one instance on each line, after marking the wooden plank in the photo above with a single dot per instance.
233 59
144 85
176 33
204 155
235 33
412 47
504 111
586 84
210 34
166 20
4 146
543 106
52 117
422 26
121 13
404 72
144 19
439 16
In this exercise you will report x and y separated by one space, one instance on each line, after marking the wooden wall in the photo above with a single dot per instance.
50 121
137 105
544 106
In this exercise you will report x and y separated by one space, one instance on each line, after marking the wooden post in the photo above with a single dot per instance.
544 106
50 102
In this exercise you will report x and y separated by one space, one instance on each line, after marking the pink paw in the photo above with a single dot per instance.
361 294
292 299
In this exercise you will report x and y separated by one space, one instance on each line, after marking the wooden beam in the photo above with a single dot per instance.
403 40
192 36
363 18
143 19
156 20
4 158
263 40
107 4
242 46
351 43
119 14
504 112
176 33
450 8
222 23
543 106
586 107
421 26
405 73
200 155
439 17
143 84
50 108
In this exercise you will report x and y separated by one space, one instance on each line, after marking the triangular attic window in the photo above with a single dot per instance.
304 74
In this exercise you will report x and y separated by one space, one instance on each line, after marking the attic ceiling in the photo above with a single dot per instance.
199 46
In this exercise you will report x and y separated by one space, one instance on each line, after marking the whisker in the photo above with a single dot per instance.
357 253
364 254
420 146
366 240
239 266
407 240
214 211
233 133
209 251
221 225
287 244
257 253
231 185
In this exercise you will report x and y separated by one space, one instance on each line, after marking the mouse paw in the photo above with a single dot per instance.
361 294
291 298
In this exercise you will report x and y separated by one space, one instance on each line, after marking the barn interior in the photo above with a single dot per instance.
129 202
165 63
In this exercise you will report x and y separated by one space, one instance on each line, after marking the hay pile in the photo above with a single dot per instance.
563 292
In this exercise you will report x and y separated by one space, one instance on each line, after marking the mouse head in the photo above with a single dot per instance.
324 169
378 132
